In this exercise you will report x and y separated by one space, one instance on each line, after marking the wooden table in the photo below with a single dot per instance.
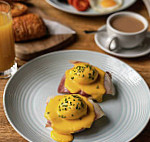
86 42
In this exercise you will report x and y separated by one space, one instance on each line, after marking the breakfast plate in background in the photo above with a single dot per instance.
127 113
101 41
90 12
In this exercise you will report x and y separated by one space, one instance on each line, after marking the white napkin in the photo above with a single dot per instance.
61 29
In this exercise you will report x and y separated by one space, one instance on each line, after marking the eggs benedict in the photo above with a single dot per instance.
68 114
86 80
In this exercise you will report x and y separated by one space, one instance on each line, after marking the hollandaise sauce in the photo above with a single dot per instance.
69 114
87 78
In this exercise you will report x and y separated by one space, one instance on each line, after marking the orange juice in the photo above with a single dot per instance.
7 53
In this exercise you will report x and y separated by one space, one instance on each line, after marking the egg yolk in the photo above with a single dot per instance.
72 107
108 3
83 73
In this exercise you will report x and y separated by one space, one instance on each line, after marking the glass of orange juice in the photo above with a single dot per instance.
7 51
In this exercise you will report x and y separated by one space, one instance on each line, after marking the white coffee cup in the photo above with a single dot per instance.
124 39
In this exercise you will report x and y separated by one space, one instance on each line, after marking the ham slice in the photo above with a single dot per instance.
48 124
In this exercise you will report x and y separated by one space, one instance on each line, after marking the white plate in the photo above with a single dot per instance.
70 9
101 41
26 92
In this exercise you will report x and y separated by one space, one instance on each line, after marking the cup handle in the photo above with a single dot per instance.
109 42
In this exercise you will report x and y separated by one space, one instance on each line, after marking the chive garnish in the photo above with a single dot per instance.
97 87
93 72
90 67
77 107
82 104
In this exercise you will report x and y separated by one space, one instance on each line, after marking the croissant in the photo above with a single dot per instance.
18 9
14 0
28 27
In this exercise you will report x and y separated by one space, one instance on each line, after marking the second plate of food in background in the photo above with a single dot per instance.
63 6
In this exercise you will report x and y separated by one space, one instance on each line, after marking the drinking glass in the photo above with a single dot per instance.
7 51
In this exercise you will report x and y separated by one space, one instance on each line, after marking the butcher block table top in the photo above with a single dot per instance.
83 42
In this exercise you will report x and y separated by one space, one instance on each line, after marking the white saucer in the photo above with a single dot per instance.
101 39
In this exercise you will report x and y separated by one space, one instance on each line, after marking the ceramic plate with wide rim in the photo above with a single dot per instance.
69 9
26 92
